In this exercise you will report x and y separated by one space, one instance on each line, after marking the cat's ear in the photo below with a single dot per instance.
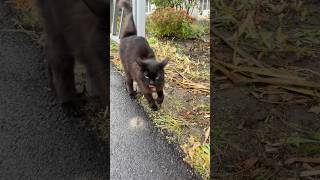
141 63
164 63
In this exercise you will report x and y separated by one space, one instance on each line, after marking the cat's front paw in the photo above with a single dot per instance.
159 100
154 107
133 94
71 109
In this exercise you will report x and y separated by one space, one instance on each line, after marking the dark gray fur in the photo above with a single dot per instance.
76 30
139 62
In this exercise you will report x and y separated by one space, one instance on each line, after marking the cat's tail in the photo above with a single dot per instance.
125 4
98 7
130 28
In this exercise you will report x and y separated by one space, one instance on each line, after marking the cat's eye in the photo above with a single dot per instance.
145 74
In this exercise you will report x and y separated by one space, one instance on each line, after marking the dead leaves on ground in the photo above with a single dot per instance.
200 88
315 109
267 27
198 155
181 67
272 85
285 81
310 165
315 160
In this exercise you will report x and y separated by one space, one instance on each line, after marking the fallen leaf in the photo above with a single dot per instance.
274 98
307 166
315 160
305 91
316 136
207 134
310 173
315 109
269 149
275 144
250 162
256 95
225 86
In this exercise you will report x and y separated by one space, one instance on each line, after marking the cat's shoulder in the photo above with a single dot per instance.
135 40
140 38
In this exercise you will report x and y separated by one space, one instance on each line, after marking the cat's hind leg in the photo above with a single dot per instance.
61 70
129 86
92 53
61 65
97 72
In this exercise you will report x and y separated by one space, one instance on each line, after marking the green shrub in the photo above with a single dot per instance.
170 22
27 18
20 4
167 3
188 5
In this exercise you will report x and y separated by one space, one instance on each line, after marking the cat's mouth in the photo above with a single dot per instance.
152 88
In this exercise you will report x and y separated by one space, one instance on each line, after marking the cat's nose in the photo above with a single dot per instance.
151 82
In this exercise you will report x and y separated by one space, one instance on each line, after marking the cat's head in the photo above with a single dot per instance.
152 71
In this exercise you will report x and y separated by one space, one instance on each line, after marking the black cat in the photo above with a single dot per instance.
139 62
76 30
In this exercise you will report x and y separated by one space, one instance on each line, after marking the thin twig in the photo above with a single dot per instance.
18 31
239 51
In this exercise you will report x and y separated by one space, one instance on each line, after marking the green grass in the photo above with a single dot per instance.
152 41
27 18
199 30
304 145
113 46
198 156
174 103
170 123
203 107
202 160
